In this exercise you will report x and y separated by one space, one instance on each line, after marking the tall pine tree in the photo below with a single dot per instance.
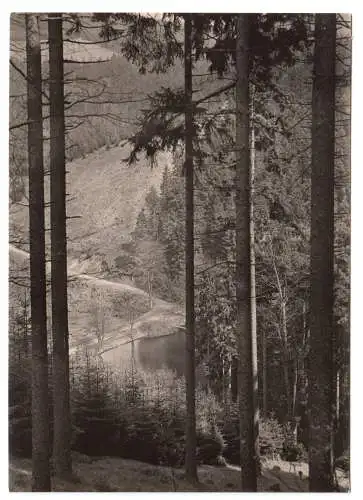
40 404
247 371
321 361
61 403
190 445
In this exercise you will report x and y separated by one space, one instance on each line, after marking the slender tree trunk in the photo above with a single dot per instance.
190 456
149 289
283 333
229 388
342 212
25 327
132 353
337 401
294 388
343 439
253 260
304 321
247 379
321 363
303 368
264 374
285 366
293 419
234 377
62 418
40 409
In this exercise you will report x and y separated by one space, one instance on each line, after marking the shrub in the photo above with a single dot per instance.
95 427
20 435
210 442
138 435
207 411
151 425
229 425
94 416
343 462
210 448
152 434
292 451
134 415
271 435
125 262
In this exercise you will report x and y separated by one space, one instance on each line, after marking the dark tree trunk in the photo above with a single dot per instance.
321 363
190 457
286 361
40 410
253 264
234 379
62 419
247 379
342 213
25 327
294 389
264 374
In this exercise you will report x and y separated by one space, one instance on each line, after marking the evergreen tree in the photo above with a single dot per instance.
216 326
321 359
141 228
152 203
171 230
40 410
247 380
61 404
191 436
342 232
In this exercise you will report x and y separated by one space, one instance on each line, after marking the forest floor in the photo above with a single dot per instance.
116 474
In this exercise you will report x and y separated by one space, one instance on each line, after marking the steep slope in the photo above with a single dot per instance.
105 197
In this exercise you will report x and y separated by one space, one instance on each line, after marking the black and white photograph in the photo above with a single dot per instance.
179 242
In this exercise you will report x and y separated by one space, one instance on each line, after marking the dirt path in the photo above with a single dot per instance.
93 279
109 284
160 320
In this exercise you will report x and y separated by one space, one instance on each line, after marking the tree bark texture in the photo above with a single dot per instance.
61 404
321 362
264 374
247 373
190 457
253 261
40 406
